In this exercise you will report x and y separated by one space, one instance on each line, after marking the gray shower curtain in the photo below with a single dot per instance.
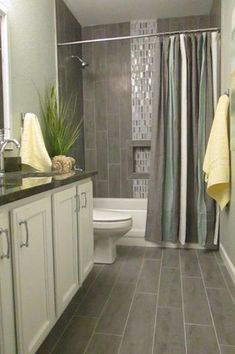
185 92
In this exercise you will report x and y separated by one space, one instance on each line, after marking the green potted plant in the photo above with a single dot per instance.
59 129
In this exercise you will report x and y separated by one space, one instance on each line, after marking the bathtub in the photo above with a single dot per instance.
137 208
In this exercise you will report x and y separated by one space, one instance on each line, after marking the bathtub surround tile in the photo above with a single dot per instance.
76 336
91 160
114 180
102 154
126 184
201 339
189 263
170 288
223 311
114 317
102 189
196 307
114 139
149 277
101 117
171 258
183 23
153 253
107 84
211 272
103 343
140 188
138 336
169 336
90 126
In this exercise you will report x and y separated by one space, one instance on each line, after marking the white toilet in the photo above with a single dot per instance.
109 227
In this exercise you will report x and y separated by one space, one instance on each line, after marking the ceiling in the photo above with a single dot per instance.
96 12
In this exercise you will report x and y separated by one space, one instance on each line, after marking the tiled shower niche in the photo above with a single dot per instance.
141 159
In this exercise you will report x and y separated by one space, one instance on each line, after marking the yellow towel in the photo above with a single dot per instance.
216 163
33 151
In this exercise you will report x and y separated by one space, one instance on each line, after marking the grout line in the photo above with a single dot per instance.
198 324
226 283
182 299
215 287
227 346
208 301
192 276
134 293
73 315
109 334
104 306
157 303
146 292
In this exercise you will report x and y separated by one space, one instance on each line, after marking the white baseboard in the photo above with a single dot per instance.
228 263
140 241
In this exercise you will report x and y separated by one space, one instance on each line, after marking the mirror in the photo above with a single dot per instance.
4 75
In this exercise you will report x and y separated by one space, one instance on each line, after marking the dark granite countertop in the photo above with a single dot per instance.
18 185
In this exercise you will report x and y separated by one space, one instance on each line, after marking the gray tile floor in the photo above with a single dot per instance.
150 301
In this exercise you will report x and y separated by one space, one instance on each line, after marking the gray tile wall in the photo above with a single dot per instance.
107 109
108 101
69 70
183 23
215 15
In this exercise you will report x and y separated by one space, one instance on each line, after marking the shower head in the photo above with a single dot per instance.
81 61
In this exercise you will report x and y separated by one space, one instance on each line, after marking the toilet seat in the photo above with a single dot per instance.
106 215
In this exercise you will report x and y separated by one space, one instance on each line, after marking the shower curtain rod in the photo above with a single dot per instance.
138 36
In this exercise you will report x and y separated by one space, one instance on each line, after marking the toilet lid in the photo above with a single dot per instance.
106 215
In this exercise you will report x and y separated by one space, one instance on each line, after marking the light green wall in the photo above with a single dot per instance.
32 52
228 217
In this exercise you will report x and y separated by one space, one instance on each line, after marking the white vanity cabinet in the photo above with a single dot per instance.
65 246
85 228
33 273
46 252
7 321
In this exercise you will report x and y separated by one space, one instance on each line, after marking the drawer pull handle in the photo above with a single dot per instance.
26 243
7 254
85 198
79 203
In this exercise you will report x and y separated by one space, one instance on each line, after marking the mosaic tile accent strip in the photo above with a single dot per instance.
142 159
142 57
140 188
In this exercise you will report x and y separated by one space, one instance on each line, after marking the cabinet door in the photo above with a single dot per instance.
65 247
33 274
85 229
7 325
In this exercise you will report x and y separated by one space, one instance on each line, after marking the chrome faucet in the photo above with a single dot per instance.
3 145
